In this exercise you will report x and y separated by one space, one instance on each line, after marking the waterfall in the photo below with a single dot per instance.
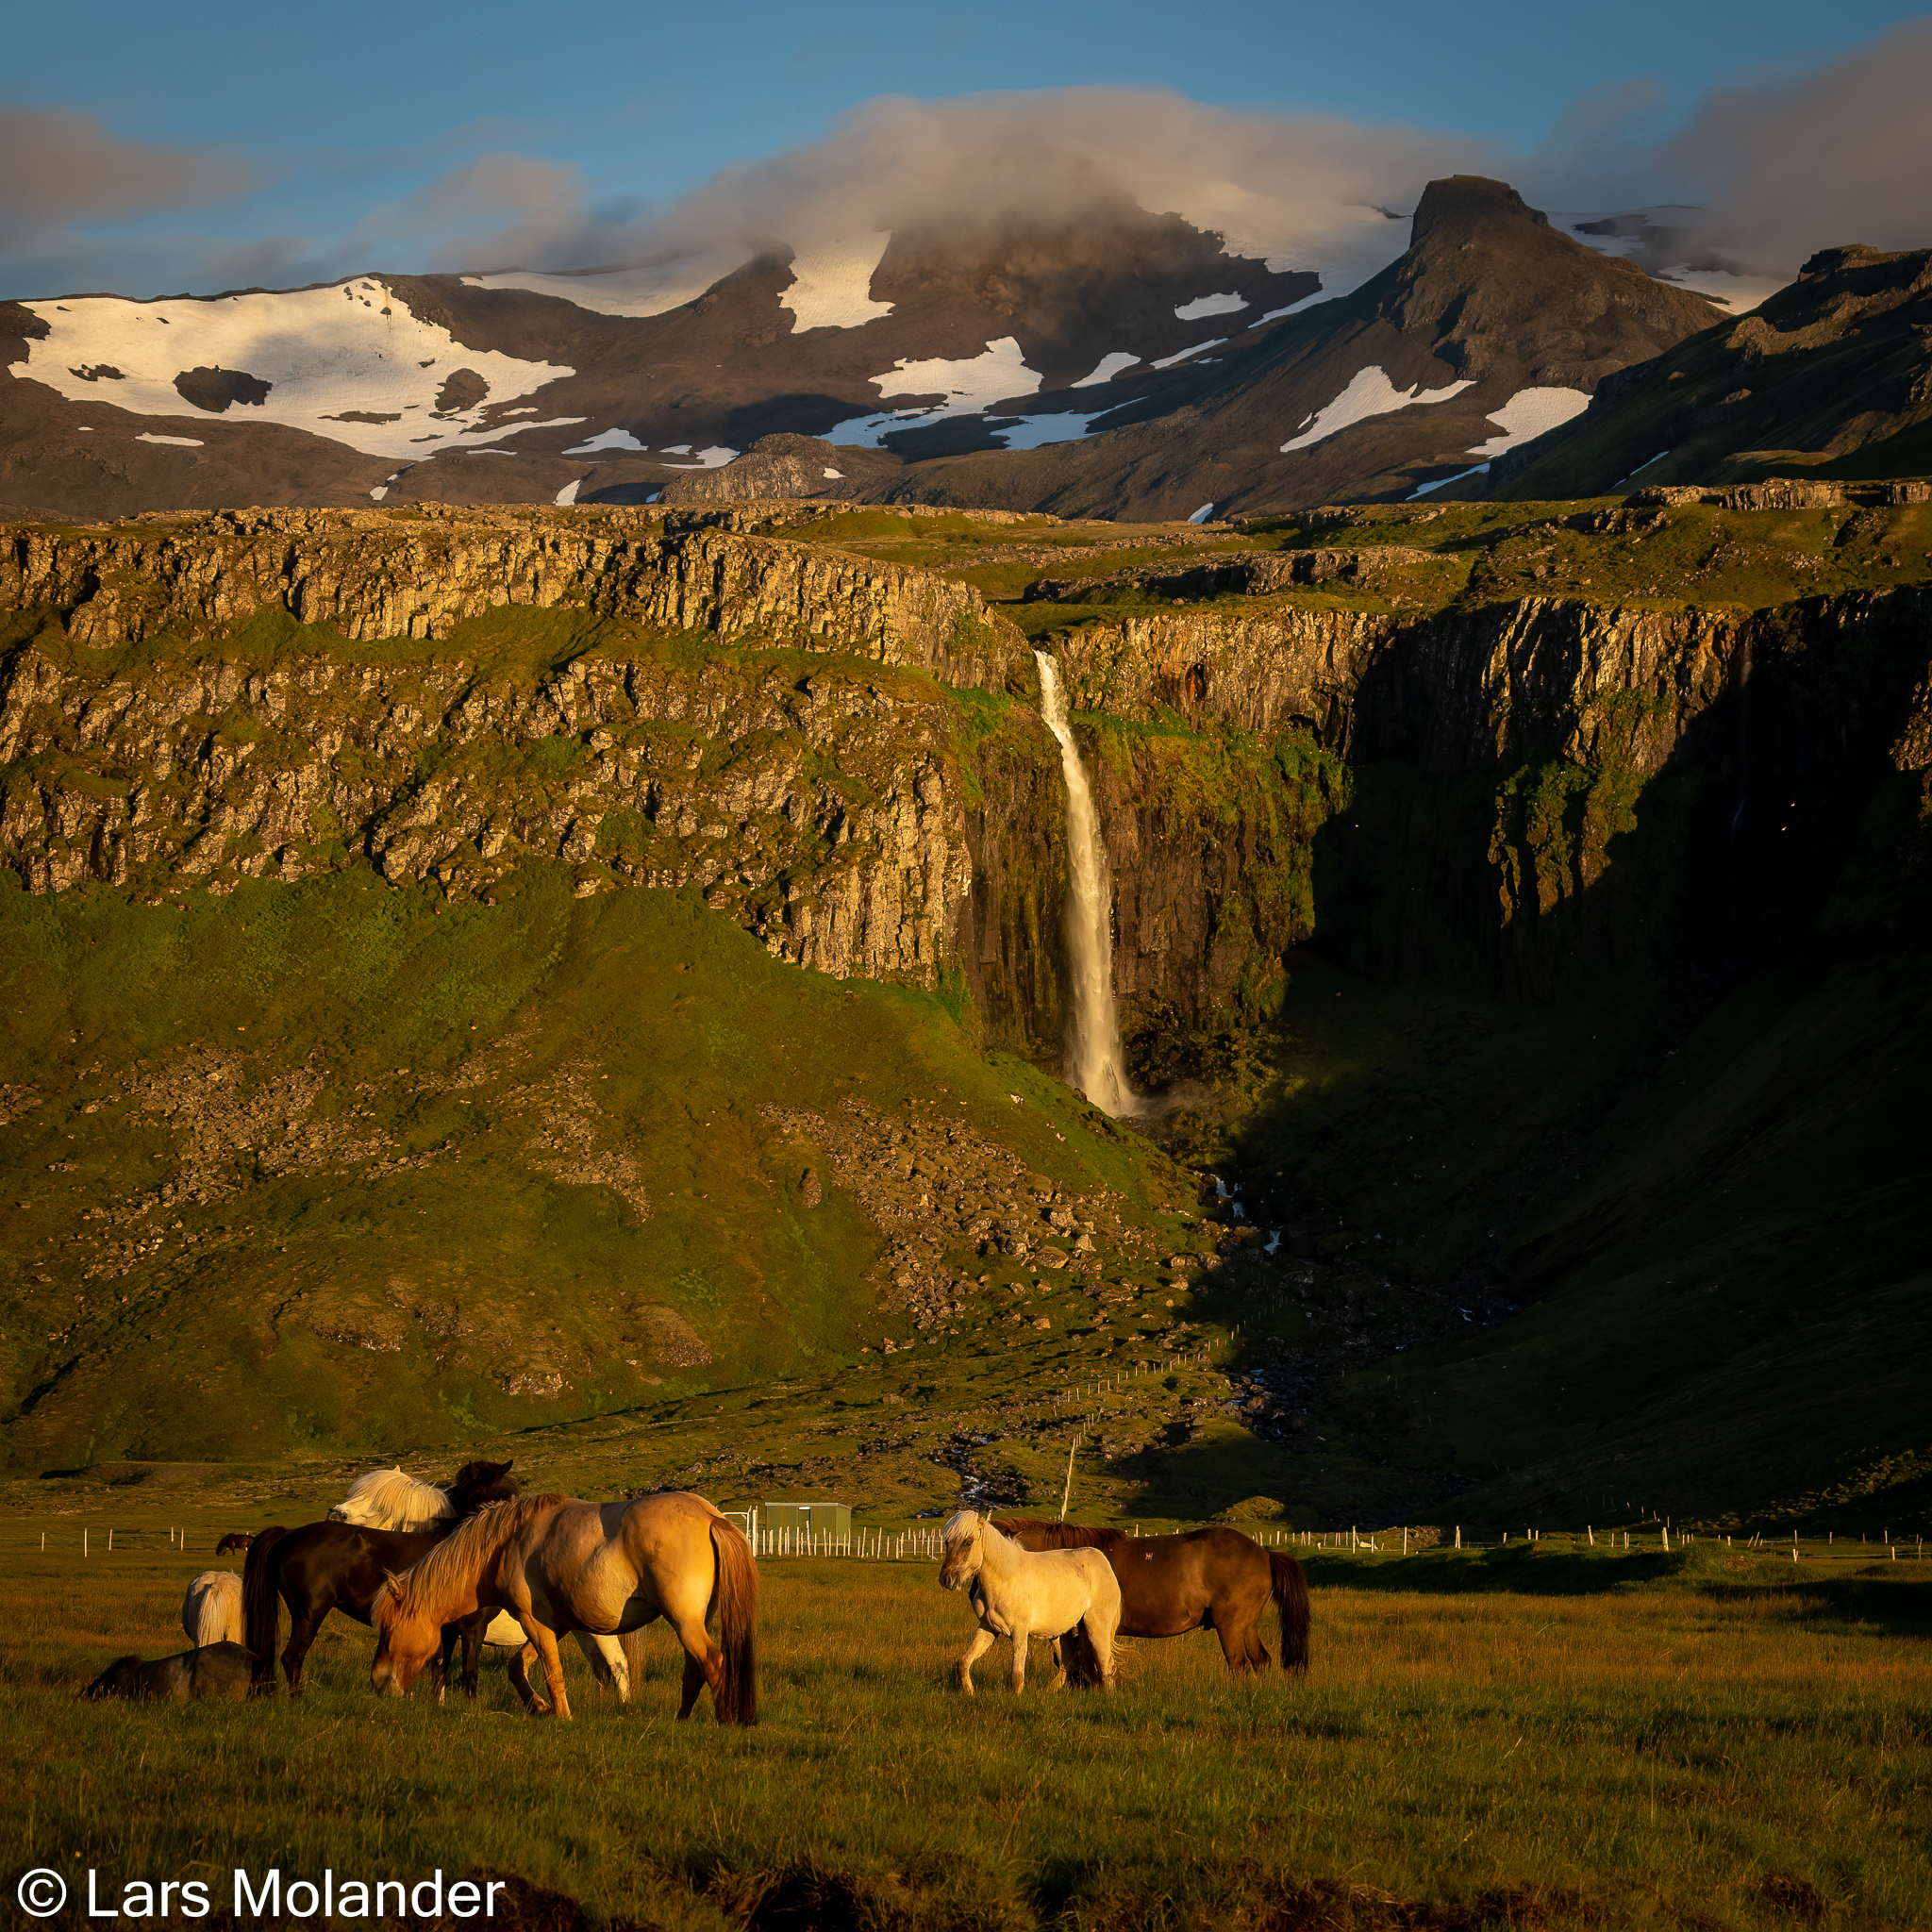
1094 1029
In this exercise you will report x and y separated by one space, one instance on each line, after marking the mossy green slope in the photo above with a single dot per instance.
470 1166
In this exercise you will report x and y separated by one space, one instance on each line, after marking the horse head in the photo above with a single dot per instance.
404 1643
478 1483
962 1535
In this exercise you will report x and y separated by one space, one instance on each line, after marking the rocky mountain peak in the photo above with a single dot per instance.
1462 202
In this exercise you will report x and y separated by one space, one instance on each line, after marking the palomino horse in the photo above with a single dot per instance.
1017 1592
556 1564
211 1610
334 1566
1202 1579
389 1499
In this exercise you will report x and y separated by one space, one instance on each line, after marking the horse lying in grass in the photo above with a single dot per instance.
211 1610
1019 1593
556 1564
389 1499
212 1670
336 1566
1202 1579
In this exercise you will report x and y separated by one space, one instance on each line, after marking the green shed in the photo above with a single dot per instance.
790 1524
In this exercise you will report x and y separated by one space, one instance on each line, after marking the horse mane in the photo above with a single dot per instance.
440 1572
388 1499
1059 1536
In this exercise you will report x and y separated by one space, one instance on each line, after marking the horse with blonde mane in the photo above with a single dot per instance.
1021 1594
556 1564
211 1610
390 1499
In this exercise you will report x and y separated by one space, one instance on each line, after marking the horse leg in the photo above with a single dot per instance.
1239 1640
1099 1636
1020 1635
300 1637
1060 1664
704 1662
545 1639
520 1680
982 1642
473 1654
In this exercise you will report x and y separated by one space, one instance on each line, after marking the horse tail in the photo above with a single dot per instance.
214 1618
261 1604
1292 1600
736 1595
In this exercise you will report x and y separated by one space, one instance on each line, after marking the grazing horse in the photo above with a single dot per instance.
211 1610
1018 1592
556 1564
388 1499
213 1670
1202 1579
334 1566
235 1540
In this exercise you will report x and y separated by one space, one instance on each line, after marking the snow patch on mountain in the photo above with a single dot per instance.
609 439
179 442
966 385
1106 369
831 284
1036 432
1182 354
1528 413
350 346
1369 394
1210 305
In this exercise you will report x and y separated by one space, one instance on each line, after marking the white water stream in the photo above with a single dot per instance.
1093 1027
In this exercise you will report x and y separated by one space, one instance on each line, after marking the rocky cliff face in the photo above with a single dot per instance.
843 754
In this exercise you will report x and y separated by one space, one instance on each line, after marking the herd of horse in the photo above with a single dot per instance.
482 1566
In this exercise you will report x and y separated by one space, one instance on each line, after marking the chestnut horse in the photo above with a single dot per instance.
556 1564
337 1566
1202 1579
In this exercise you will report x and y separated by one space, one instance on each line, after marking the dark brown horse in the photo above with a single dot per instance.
1202 1579
336 1566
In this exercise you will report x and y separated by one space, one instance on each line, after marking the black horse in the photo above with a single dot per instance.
216 1670
336 1566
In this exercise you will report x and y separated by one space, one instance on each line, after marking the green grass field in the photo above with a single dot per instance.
1506 1738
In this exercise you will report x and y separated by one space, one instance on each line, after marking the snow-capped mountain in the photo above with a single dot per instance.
1125 364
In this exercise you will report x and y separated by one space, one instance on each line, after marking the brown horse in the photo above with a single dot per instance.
336 1566
556 1564
1202 1579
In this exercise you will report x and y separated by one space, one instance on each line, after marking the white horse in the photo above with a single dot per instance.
389 1499
211 1610
1021 1594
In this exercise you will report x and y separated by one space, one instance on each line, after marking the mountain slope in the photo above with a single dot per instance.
1832 377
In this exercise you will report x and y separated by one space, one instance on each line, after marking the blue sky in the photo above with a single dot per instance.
306 129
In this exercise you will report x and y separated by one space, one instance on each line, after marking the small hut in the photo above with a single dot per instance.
797 1528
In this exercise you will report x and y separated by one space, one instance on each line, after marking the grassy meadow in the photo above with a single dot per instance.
1536 1737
